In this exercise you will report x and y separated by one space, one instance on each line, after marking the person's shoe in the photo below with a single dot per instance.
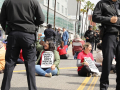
96 74
49 75
89 74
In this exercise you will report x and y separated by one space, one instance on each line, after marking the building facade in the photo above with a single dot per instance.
61 19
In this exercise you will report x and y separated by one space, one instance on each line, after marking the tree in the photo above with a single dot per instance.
82 29
92 8
87 7
47 11
79 1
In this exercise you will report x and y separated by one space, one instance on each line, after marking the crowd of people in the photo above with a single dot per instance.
80 50
20 26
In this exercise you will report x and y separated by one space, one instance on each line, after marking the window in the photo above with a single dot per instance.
65 11
62 9
53 3
47 2
58 6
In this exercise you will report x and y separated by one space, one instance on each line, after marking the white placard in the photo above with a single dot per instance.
91 65
47 59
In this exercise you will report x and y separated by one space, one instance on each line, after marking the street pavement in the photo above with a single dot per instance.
66 80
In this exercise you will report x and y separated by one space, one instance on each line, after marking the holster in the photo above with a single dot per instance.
102 32
8 29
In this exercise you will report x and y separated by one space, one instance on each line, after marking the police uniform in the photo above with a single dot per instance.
90 35
97 40
21 17
104 10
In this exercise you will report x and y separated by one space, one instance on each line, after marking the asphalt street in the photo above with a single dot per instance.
66 80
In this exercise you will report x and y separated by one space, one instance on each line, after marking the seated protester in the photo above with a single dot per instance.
20 59
2 57
99 58
62 50
77 45
83 68
53 70
41 43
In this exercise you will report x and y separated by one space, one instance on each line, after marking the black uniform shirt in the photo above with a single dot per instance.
21 15
49 33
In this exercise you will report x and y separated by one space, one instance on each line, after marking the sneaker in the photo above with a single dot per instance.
96 74
49 74
89 74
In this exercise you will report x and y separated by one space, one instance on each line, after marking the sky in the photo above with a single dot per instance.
93 1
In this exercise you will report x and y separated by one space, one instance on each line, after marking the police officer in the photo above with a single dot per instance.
97 40
21 17
50 34
89 35
107 12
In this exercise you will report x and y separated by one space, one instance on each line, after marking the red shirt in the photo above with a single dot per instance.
21 56
62 51
81 56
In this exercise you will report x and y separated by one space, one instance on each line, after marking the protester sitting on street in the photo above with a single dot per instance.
41 43
99 58
20 59
54 69
4 43
2 57
62 50
83 66
77 45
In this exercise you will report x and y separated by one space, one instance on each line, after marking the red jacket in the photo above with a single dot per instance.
62 51
21 56
77 45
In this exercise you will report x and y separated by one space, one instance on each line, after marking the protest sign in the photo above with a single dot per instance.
47 59
91 65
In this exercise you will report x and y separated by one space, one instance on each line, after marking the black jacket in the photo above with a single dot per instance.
49 33
90 35
58 37
97 39
21 15
103 12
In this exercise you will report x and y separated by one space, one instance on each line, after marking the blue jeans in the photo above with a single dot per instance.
65 43
76 54
42 72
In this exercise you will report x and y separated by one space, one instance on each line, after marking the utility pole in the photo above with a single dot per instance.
47 11
54 13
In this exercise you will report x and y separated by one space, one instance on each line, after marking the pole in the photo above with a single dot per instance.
54 13
47 11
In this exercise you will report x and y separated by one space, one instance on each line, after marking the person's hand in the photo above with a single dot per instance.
87 38
94 34
52 67
114 19
85 63
42 43
40 34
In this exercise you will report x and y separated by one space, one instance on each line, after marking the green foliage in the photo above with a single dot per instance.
94 28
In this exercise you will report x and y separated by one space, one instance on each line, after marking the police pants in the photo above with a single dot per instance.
110 47
16 41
